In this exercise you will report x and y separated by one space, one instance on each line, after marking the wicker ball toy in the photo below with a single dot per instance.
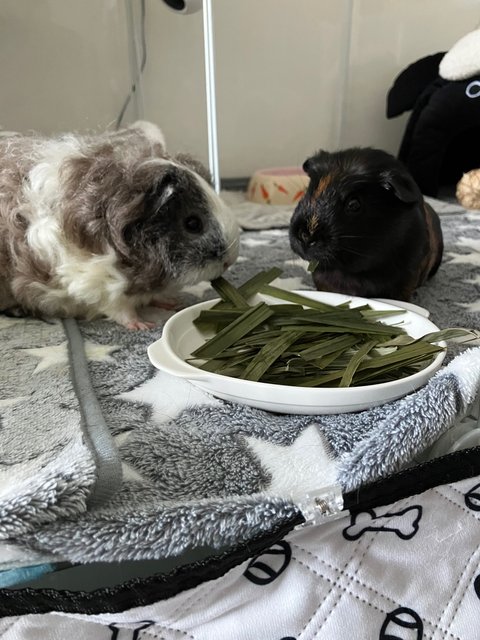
468 189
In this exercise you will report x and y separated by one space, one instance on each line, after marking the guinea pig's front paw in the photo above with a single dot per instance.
127 316
136 325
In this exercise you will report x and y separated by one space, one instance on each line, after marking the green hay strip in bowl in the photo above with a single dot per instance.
307 342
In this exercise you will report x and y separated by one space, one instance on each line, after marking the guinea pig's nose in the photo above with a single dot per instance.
305 238
308 241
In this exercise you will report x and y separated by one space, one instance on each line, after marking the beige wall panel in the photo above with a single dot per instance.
388 35
64 64
292 75
279 75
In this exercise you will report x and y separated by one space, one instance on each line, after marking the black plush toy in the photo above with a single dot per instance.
442 137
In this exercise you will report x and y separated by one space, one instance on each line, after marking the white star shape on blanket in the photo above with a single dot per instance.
198 289
473 307
168 396
303 466
256 242
57 355
277 232
470 243
465 258
99 352
465 227
129 474
468 258
297 262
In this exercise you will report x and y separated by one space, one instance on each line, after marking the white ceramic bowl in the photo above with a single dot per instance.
181 337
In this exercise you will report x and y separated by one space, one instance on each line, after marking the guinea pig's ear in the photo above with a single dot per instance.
316 164
401 184
195 165
308 166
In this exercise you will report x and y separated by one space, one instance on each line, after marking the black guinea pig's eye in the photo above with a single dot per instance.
193 224
353 205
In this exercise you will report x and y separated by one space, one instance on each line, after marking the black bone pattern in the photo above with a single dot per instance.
403 523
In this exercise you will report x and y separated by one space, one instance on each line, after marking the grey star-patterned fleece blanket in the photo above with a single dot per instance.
104 458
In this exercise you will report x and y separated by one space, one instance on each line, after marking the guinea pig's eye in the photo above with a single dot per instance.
353 205
193 224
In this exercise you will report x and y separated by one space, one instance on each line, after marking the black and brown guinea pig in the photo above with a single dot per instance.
102 225
365 225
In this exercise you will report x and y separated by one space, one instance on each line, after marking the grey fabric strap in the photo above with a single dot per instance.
97 435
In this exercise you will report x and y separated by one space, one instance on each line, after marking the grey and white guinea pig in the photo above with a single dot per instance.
102 225
365 224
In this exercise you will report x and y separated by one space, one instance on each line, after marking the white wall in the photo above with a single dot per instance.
387 35
63 64
276 90
292 75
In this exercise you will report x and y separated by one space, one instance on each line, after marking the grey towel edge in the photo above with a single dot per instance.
95 429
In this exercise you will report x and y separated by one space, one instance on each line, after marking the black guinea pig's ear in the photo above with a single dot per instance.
316 164
308 166
401 184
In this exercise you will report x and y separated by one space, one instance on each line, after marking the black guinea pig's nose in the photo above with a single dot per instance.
309 241
305 239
